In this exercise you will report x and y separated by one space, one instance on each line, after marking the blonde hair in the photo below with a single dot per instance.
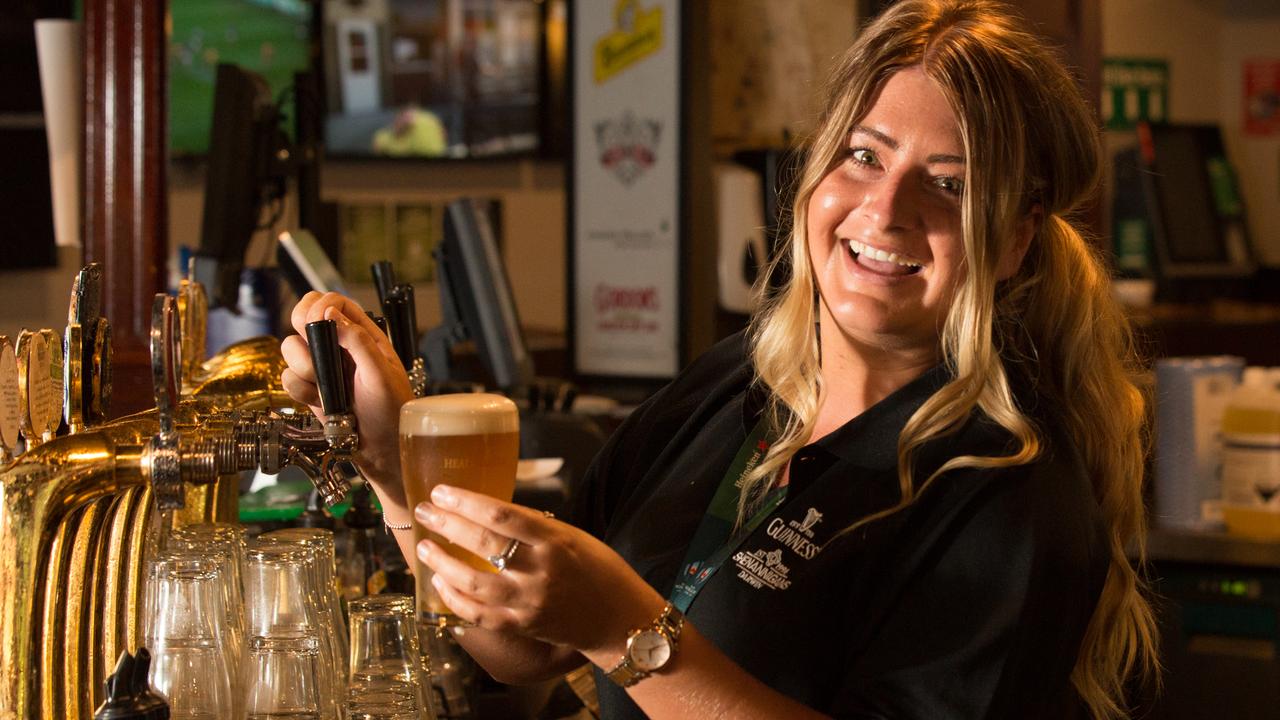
1031 142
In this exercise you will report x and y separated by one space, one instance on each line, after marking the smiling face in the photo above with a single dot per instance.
884 225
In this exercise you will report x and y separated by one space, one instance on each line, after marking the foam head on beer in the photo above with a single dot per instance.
459 414
469 440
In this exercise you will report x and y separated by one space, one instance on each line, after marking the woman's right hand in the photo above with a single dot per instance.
380 385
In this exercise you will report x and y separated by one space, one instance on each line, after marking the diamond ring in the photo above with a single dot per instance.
501 559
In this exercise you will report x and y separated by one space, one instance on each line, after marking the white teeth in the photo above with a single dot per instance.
876 254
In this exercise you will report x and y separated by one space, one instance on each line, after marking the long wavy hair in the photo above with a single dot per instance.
1031 142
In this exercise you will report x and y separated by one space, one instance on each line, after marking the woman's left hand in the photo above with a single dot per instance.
561 585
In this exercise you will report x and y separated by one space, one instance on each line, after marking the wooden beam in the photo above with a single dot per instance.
126 154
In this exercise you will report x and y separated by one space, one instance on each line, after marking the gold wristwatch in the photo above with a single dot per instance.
649 648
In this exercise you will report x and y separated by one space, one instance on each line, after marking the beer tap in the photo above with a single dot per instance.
171 459
335 403
193 312
401 313
10 413
266 440
87 365
400 323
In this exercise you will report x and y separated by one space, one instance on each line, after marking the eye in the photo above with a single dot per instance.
864 156
950 185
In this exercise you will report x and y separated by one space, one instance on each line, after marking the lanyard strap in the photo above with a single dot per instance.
715 540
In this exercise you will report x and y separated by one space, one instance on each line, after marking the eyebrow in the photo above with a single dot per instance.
893 145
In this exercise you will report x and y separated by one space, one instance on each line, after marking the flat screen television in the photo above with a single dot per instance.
270 38
442 78
476 302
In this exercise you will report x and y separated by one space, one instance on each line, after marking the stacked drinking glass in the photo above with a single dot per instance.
224 543
289 635
189 634
388 680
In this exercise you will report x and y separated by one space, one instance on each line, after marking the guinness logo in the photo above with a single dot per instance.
811 518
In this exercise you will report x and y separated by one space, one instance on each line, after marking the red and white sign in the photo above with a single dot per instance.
1262 97
626 188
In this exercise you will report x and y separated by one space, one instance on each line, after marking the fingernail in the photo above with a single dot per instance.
443 495
437 583
424 551
332 313
429 515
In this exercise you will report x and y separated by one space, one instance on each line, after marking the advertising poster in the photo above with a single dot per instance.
1262 97
626 188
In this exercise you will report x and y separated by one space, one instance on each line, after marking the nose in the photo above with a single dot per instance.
892 203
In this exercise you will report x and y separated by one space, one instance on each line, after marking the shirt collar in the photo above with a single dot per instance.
871 439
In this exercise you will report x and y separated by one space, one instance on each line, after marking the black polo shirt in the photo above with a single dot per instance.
970 604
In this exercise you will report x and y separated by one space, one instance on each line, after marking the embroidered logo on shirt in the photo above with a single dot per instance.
761 569
811 518
798 536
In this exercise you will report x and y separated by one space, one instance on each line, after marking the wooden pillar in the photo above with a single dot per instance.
125 200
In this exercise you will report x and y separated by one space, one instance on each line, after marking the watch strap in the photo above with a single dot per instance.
669 623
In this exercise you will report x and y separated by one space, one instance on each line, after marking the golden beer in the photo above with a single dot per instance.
467 440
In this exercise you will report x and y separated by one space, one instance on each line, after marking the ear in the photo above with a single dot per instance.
1025 230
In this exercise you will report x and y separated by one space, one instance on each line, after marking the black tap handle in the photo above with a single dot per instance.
403 323
384 278
326 356
380 321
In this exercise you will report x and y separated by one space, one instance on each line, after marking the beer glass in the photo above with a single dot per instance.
388 681
283 602
284 678
186 629
323 566
467 440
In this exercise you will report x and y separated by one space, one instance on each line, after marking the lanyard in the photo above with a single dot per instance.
715 539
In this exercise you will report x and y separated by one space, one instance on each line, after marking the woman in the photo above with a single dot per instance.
925 456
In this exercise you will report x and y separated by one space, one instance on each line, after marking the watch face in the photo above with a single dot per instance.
650 650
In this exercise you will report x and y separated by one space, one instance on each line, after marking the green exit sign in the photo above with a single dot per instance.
1134 90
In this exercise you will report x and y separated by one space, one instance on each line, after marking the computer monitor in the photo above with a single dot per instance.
476 302
306 265
1194 205
243 174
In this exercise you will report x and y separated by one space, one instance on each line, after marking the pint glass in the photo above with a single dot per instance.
467 440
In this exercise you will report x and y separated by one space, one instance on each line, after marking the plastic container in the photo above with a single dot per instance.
1251 456
1191 396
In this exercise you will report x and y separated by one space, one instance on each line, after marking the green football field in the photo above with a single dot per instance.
269 38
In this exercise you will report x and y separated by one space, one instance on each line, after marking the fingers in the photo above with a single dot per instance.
355 339
461 531
472 610
298 358
507 520
298 318
331 306
303 391
485 587
332 302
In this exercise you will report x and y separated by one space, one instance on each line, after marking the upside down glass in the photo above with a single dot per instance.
223 543
323 567
467 440
283 602
284 678
388 680
186 629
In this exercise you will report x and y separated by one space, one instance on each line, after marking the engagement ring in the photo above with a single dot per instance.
500 560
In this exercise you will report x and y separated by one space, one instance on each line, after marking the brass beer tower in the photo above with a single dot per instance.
81 511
